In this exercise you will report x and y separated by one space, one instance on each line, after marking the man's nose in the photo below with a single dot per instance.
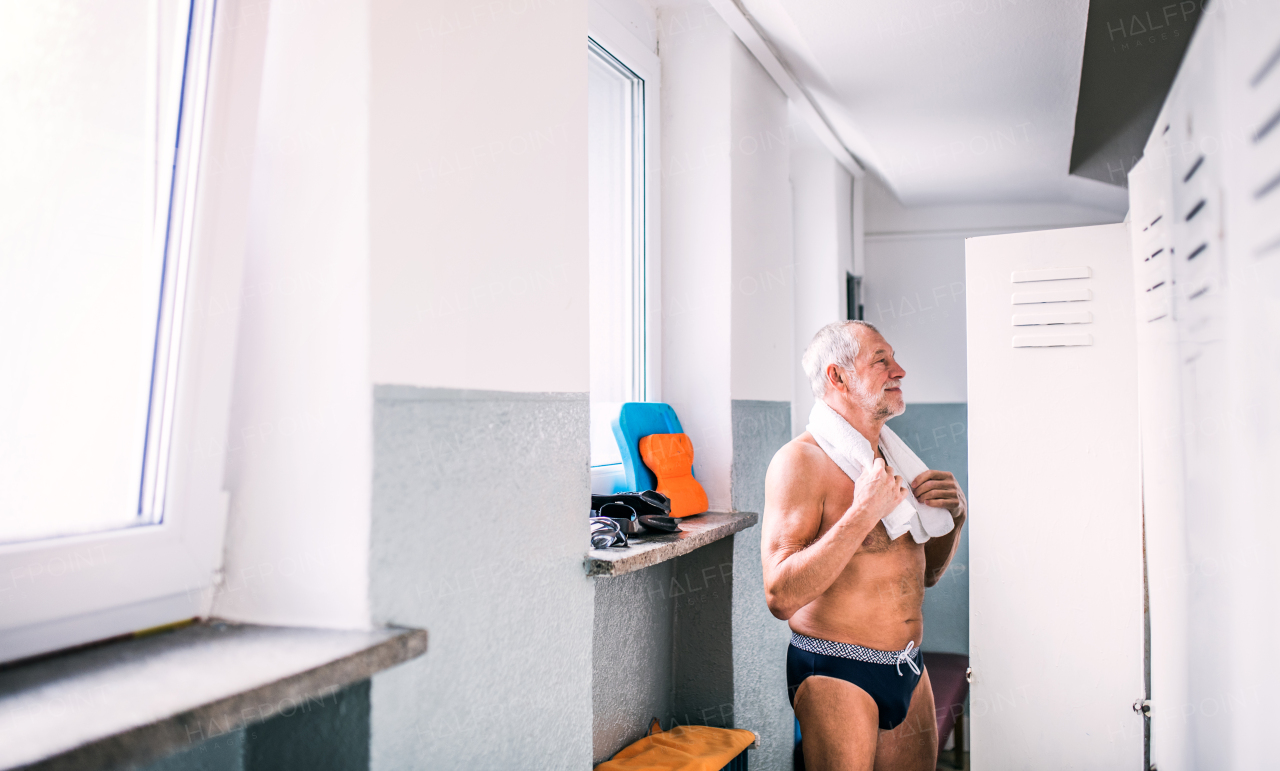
897 371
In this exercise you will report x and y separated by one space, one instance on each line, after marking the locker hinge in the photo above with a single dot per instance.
1142 707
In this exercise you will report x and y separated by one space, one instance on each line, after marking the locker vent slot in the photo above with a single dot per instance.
1051 274
1194 168
1266 128
1266 68
1263 157
1057 296
1063 317
1272 184
1052 341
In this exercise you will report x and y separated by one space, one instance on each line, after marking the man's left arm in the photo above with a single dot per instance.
940 490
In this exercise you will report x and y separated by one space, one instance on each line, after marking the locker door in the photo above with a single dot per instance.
1056 605
1249 90
1160 364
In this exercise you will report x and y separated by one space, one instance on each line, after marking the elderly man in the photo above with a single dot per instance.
848 550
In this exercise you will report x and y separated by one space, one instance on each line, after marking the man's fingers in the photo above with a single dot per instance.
940 501
936 497
934 484
937 490
938 493
925 475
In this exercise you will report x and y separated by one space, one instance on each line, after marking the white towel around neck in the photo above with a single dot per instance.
852 452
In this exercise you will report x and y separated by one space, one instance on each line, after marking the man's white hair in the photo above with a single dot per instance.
834 344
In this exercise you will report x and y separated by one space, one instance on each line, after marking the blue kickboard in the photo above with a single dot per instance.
636 420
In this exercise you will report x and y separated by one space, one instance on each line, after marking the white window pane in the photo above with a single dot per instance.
89 96
616 239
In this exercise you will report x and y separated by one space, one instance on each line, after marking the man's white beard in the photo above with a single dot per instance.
877 405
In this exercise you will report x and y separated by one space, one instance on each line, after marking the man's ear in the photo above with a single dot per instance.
833 375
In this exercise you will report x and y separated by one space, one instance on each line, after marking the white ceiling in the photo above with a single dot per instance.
947 101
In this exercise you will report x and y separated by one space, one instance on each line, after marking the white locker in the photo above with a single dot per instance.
1056 588
1160 364
1248 88
1207 193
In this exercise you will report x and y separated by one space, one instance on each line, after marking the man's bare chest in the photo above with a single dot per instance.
840 493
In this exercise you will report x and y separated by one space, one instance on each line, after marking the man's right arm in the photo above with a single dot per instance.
798 568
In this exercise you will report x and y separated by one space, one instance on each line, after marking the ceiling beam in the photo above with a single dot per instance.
749 32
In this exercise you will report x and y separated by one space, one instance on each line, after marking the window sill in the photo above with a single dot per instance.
648 550
137 700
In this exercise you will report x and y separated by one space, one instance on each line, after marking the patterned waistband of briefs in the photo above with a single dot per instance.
847 650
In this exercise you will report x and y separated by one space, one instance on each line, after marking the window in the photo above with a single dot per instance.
86 153
103 107
621 138
615 136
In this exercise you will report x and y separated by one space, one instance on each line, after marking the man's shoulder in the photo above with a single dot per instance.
800 455
800 473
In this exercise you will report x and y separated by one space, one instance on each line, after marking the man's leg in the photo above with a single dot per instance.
838 722
913 744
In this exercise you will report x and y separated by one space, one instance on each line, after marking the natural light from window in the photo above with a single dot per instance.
615 141
89 102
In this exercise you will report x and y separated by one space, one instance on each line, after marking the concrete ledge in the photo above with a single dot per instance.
647 550
126 703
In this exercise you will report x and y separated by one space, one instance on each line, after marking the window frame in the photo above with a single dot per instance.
622 44
64 591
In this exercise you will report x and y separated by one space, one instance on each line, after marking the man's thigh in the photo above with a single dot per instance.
839 722
912 745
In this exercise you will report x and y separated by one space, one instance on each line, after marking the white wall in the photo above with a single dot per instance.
480 120
479 359
697 235
914 293
914 287
298 466
822 208
763 271
737 278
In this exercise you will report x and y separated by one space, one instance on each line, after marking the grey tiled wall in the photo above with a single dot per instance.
760 641
938 433
480 502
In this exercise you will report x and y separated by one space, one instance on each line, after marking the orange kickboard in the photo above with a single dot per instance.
670 458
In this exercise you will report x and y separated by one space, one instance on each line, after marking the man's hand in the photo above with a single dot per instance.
940 490
878 490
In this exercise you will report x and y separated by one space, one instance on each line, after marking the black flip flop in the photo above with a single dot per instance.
646 502
660 524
